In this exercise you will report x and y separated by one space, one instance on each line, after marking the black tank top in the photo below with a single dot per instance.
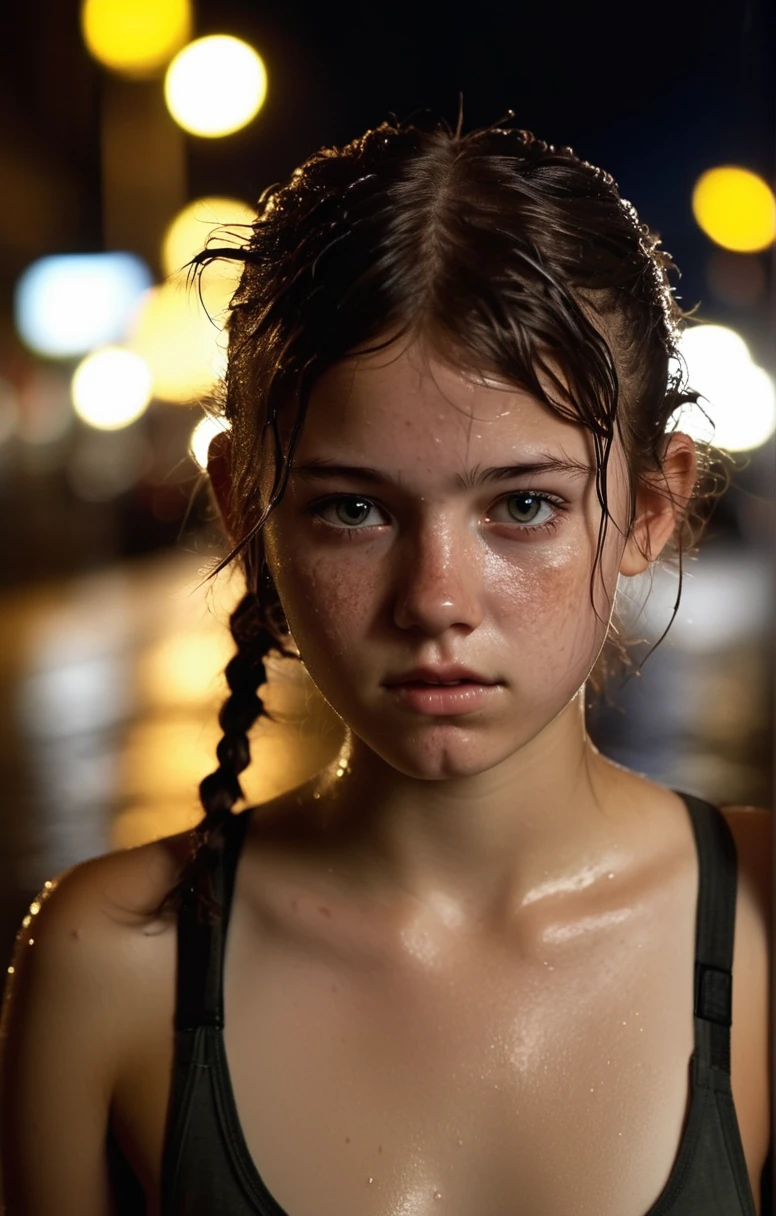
207 1168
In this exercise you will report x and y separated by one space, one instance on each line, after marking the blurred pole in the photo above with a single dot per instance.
143 167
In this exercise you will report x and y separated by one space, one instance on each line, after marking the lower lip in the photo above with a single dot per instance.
458 699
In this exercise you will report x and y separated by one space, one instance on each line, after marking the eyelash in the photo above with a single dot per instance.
316 509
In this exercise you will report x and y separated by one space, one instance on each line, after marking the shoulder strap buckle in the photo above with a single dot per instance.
713 994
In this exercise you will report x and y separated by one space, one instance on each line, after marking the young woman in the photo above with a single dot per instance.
473 967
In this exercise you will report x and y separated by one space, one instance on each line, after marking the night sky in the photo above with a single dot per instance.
655 94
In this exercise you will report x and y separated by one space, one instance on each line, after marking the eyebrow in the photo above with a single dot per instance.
320 469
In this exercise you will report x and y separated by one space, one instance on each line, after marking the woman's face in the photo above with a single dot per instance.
433 521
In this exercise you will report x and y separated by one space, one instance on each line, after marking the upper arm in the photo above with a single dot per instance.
63 1022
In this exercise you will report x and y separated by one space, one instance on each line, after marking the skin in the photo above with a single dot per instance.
485 810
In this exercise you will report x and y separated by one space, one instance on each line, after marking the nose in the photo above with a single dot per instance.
438 583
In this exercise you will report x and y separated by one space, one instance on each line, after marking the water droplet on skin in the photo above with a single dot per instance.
371 1180
10 970
437 1194
460 1141
610 875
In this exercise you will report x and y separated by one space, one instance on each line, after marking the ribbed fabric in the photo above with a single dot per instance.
208 1171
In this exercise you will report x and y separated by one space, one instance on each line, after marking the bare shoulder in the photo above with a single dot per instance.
752 830
93 903
90 931
92 965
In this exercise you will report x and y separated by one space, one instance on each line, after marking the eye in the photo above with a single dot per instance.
347 511
528 508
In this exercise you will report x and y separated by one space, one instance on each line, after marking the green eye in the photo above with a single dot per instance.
524 508
352 510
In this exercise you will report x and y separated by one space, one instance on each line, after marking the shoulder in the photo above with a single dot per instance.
92 967
88 933
752 830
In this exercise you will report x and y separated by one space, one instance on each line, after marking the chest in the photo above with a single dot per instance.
548 1074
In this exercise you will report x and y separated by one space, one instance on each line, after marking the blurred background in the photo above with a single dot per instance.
133 128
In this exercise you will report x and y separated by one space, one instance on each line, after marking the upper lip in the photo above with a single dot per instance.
439 675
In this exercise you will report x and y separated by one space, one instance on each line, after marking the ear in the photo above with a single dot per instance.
219 467
661 502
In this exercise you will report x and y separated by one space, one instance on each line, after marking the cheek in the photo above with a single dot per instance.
326 602
544 608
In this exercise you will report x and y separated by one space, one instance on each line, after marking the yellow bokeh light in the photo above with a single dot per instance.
135 37
215 86
189 231
111 387
735 208
184 348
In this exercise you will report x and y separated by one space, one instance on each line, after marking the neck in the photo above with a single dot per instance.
486 845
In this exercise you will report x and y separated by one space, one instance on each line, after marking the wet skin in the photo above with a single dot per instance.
408 537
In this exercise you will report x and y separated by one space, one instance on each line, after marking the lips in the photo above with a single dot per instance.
440 676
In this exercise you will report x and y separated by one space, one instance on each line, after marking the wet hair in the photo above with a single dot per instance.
502 254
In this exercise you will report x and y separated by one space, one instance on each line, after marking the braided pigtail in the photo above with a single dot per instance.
221 789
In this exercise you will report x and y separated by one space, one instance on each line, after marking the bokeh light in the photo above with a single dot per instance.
135 37
735 208
215 86
111 388
738 396
202 435
188 233
182 345
67 304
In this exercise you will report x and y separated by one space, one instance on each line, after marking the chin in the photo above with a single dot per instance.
444 754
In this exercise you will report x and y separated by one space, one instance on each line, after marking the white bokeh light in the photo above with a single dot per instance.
111 388
738 396
215 85
67 304
205 430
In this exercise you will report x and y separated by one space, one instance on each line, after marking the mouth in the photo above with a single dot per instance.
439 678
445 698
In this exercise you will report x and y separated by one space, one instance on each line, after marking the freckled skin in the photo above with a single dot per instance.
432 577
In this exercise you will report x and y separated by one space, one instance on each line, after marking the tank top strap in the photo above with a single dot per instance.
714 933
199 985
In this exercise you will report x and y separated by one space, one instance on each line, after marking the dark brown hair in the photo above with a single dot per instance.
500 252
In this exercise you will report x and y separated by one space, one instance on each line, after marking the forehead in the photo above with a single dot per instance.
407 403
